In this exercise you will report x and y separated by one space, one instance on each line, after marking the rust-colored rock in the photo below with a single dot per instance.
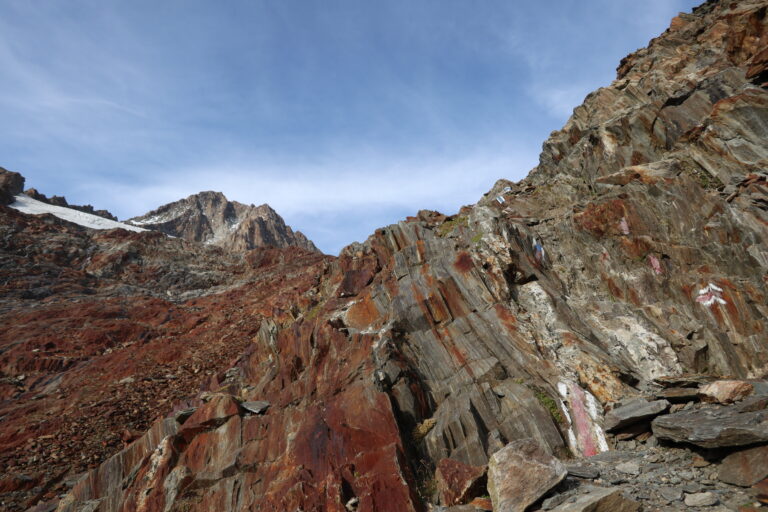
459 483
745 468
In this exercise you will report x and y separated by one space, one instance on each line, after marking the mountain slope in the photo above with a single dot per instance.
632 257
210 218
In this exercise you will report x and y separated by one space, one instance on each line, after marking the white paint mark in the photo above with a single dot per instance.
710 294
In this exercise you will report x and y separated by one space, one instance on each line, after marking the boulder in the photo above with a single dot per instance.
634 412
745 468
521 473
725 391
11 184
713 427
458 483
599 499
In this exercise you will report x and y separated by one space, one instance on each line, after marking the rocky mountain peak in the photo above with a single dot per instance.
209 217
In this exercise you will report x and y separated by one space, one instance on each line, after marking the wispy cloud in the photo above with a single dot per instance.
344 116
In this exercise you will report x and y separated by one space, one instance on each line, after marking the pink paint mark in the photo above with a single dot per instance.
582 422
655 265
624 226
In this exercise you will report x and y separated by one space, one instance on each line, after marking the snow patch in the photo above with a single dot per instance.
26 204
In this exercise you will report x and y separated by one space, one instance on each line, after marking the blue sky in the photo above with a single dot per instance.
344 115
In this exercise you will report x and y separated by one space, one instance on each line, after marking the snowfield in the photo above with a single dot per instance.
26 204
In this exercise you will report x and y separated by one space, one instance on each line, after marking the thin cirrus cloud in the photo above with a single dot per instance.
342 115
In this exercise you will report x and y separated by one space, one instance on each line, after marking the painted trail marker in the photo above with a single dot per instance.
710 294
655 265
538 250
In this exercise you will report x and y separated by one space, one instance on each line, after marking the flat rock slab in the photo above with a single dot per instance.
634 412
256 407
679 395
521 473
583 471
745 468
457 483
684 381
599 499
713 427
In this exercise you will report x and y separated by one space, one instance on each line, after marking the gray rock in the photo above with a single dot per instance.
599 499
630 468
256 407
671 493
520 474
701 499
583 471
634 412
553 501
713 427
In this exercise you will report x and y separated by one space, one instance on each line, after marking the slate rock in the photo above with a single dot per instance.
599 499
633 412
521 473
713 427
457 483
256 407
583 471
745 468
701 499
678 395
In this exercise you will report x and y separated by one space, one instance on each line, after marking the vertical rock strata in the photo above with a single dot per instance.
638 248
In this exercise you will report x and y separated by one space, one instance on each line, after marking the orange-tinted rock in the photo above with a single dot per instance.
725 391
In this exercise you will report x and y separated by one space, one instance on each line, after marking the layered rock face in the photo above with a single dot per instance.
636 253
210 218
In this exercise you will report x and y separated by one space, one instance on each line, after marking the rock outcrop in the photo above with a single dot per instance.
630 264
11 184
208 217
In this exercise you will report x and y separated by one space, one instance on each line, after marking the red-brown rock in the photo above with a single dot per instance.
458 483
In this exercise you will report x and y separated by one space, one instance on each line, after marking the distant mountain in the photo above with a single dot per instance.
210 218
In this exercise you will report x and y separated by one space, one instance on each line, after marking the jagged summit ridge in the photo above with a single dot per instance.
209 217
